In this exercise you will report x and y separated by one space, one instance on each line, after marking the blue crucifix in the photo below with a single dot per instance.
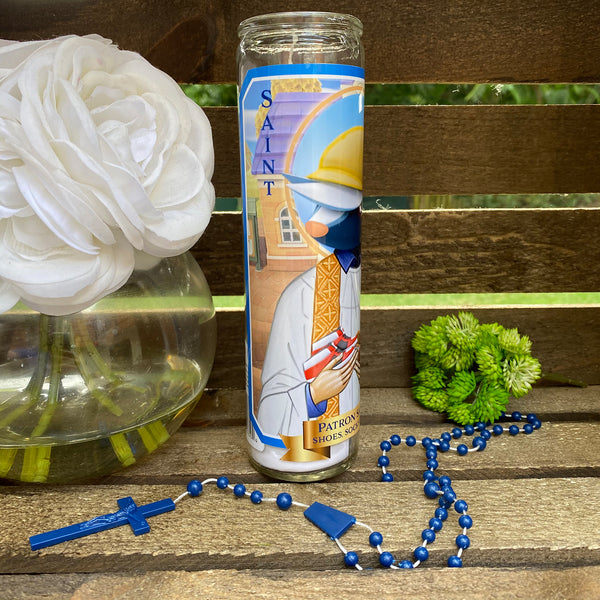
128 513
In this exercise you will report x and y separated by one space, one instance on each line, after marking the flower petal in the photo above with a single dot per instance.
41 197
8 296
181 179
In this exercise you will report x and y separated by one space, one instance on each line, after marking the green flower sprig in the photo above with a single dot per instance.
470 370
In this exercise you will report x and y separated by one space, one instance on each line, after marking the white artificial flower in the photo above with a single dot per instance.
103 159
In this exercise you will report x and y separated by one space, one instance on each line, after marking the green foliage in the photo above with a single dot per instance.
481 93
470 370
211 95
432 93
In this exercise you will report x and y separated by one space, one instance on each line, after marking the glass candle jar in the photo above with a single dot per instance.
301 110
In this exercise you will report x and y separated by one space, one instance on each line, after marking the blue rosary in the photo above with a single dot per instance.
330 520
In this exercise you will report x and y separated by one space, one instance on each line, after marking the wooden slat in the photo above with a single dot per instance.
411 150
227 407
558 449
444 251
206 534
539 584
565 340
435 41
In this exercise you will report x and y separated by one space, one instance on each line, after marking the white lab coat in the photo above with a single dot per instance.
283 403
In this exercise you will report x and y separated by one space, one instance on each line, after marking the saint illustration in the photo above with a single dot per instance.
311 366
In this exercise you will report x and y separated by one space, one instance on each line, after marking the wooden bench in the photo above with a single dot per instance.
533 499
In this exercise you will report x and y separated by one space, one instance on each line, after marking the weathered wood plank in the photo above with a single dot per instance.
537 583
227 407
565 340
205 533
465 41
555 450
445 251
411 150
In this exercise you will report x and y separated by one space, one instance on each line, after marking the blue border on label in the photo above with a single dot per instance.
273 71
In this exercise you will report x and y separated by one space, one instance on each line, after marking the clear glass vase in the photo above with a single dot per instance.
86 394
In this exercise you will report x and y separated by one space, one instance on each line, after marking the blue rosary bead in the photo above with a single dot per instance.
375 539
460 506
463 541
421 553
465 521
383 461
516 415
406 564
396 440
480 425
194 488
498 429
428 535
445 481
513 430
444 446
431 452
436 524
411 440
446 437
486 435
429 475
239 490
387 477
351 559
222 483
385 446
432 463
528 428
457 433
469 429
462 449
426 442
431 489
479 443
537 424
441 513
444 503
386 559
256 496
531 417
284 501
455 561
449 495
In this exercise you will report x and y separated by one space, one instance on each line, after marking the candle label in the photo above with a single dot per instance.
301 130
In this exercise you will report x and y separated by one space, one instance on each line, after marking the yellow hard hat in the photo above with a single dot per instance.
341 162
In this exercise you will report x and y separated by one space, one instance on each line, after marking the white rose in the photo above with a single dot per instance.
102 159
